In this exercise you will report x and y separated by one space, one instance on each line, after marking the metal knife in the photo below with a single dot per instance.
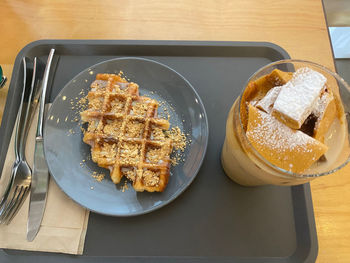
40 176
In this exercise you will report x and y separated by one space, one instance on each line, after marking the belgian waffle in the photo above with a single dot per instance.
125 134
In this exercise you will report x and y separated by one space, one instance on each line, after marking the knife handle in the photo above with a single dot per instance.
39 131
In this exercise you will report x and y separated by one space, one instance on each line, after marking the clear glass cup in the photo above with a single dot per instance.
243 163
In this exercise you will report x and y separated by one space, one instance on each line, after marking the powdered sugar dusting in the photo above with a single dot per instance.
298 96
270 132
266 103
321 104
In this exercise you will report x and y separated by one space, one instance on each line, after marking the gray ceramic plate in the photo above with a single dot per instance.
68 157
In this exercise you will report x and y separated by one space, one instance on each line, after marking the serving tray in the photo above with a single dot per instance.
214 220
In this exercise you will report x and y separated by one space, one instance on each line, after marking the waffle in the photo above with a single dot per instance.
125 134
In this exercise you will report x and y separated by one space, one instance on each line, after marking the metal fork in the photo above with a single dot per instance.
20 181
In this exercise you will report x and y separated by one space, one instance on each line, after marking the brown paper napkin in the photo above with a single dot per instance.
64 224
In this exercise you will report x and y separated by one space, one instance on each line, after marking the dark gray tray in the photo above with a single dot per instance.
214 220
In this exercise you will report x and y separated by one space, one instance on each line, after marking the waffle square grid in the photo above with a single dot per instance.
125 134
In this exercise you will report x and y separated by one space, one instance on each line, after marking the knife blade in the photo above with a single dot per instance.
40 175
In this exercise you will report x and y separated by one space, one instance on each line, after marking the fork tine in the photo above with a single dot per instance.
6 195
14 203
17 205
6 203
4 198
10 205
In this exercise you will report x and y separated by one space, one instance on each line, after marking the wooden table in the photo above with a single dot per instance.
298 26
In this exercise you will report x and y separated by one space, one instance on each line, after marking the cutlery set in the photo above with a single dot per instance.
23 179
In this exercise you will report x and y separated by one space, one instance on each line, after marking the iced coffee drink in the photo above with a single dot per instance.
288 126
